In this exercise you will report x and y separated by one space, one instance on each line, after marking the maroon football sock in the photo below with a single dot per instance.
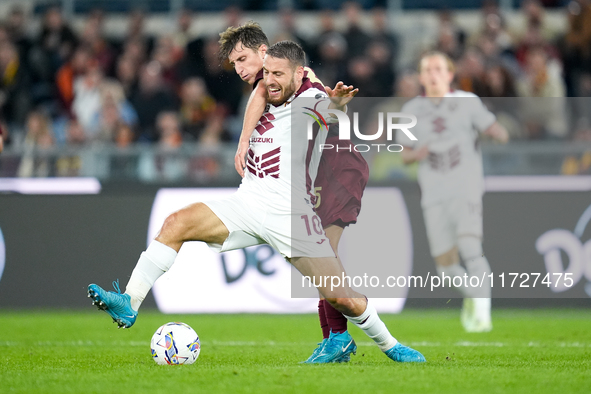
337 323
322 317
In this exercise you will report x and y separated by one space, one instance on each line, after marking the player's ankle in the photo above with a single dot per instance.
135 303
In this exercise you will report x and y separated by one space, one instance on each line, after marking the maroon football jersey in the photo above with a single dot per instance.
340 182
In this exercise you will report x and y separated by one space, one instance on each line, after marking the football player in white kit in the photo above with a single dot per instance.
270 206
452 182
340 180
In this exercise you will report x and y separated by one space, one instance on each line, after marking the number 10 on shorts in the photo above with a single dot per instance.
316 224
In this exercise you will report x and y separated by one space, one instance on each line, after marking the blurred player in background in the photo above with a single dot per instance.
451 179
261 211
339 183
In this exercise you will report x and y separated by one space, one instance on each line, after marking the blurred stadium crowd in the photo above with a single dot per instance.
61 86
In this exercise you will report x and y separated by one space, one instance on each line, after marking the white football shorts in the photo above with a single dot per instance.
251 220
450 219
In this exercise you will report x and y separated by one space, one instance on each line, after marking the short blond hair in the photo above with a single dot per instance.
450 63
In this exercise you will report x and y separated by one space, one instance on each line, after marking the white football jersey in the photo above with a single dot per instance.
450 129
280 160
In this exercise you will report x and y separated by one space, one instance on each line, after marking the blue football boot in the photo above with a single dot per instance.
337 349
404 354
316 352
117 305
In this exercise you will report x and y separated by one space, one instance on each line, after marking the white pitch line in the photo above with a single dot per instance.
213 343
476 344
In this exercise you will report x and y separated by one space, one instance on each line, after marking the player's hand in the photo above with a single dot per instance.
342 94
498 133
421 153
240 158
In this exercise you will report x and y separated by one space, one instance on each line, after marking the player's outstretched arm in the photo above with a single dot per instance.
410 155
254 110
341 95
498 133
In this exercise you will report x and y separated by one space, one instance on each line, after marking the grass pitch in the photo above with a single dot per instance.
540 351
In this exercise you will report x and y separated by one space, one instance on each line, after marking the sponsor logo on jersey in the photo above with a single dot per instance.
261 140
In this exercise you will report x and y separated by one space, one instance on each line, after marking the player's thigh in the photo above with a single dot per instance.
195 222
440 228
334 233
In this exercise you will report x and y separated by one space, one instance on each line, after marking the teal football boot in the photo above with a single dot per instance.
117 305
316 352
337 349
404 354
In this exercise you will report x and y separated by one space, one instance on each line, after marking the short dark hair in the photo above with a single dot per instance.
289 50
249 34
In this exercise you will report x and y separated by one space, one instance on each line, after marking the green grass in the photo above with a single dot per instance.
529 351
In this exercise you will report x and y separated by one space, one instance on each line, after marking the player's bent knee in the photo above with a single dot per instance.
179 224
470 247
172 228
448 258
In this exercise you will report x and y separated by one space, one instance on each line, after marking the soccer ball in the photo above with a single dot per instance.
174 344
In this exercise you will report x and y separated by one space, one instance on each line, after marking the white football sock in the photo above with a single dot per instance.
453 271
480 268
152 264
477 265
374 327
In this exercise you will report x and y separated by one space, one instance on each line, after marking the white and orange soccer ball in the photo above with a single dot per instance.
175 344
